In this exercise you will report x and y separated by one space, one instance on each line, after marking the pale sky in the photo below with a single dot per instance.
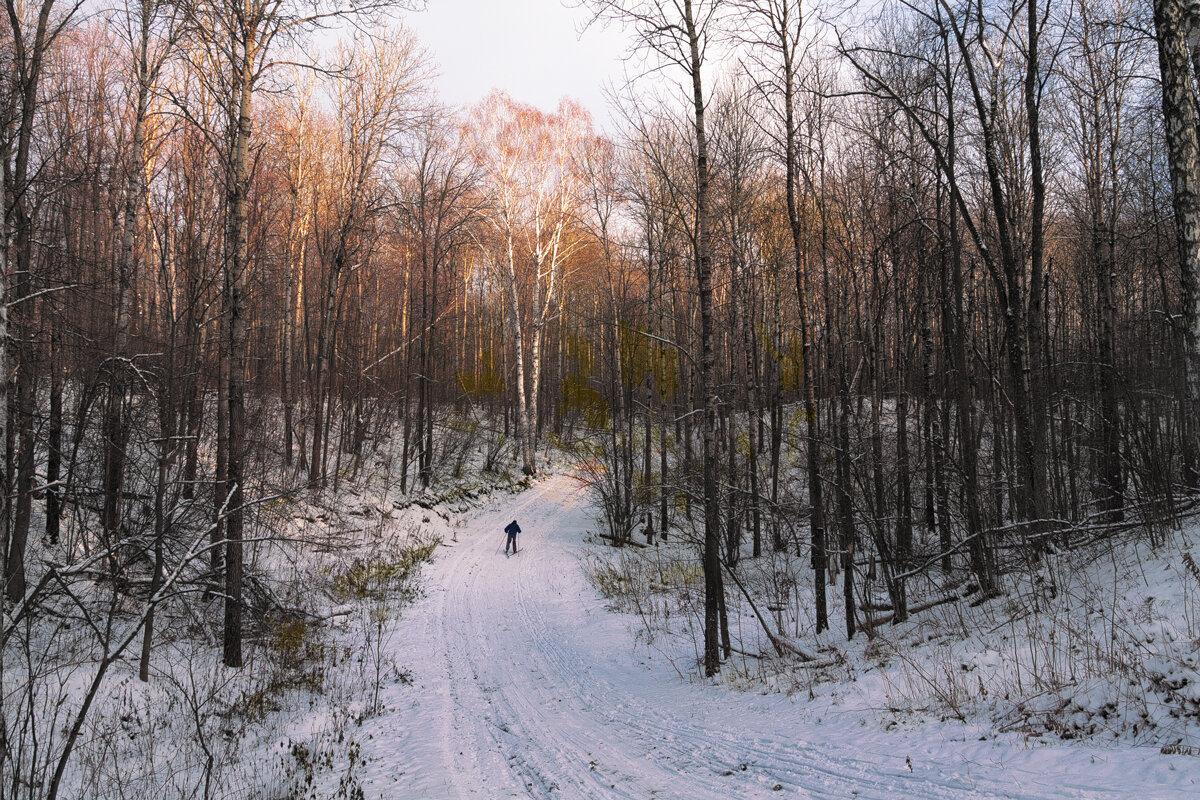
530 48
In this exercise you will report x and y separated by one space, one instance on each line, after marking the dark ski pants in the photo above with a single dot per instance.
512 540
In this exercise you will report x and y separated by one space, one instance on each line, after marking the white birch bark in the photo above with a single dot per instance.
1172 26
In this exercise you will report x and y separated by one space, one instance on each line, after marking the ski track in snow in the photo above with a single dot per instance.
525 686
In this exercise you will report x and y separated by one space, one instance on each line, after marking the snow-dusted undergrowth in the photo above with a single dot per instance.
1101 642
328 578
508 678
283 725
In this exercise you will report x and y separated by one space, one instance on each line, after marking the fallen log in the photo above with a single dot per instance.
780 643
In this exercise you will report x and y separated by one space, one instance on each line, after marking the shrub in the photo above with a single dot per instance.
375 578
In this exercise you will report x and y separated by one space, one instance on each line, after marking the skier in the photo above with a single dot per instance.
512 529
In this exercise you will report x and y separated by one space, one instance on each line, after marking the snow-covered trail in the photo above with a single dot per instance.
525 686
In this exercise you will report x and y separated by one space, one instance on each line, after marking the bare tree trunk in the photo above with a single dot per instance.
423 468
1179 113
18 240
845 501
706 376
116 436
427 382
14 558
193 421
1038 402
512 321
167 448
787 46
316 466
54 492
1112 480
238 284
530 427
287 368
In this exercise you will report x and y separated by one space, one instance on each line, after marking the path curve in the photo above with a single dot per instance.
525 686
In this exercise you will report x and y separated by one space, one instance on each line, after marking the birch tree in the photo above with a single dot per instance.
1175 22
527 159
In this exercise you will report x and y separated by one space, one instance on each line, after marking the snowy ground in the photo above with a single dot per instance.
524 685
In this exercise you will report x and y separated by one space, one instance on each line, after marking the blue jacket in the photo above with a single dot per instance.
513 528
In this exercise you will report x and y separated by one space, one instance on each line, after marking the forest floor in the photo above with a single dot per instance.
520 682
